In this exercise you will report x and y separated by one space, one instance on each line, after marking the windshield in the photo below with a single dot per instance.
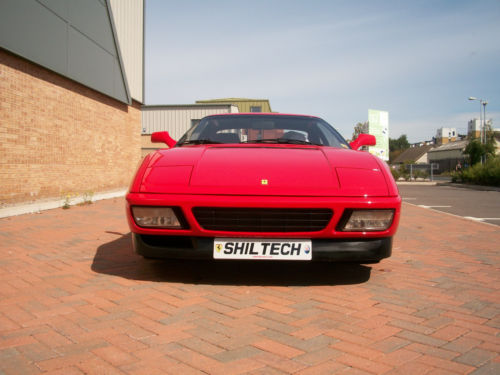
263 129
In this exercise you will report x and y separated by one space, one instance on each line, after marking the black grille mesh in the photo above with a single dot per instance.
262 219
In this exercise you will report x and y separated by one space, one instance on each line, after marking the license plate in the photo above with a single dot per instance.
278 249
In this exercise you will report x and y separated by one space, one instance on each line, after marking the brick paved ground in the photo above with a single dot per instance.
74 299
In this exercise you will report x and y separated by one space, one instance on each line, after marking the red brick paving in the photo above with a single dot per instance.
75 299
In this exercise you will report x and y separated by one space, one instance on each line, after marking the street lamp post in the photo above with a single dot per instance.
482 122
481 125
485 102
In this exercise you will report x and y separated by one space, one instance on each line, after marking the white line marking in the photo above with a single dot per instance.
473 218
456 216
409 199
481 218
423 206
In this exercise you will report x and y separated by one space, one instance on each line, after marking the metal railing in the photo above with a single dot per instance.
413 172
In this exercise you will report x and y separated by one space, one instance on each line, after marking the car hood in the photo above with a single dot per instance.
264 170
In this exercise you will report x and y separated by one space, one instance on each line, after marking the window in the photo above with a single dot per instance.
264 129
195 122
257 108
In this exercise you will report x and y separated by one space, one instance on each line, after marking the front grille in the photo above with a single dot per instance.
262 219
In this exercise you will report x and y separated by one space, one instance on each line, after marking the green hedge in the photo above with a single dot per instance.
395 173
487 174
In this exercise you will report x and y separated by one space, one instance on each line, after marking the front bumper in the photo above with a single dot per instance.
183 247
195 242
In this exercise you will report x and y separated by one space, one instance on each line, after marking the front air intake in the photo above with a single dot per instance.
237 219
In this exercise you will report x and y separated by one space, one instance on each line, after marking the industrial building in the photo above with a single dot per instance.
71 91
244 105
447 156
72 115
177 119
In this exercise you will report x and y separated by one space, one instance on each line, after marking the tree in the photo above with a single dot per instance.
476 150
400 143
359 128
397 146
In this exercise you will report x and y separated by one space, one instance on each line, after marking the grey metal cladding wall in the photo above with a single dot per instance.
71 37
177 119
91 19
33 31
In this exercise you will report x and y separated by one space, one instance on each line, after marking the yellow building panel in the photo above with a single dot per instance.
244 105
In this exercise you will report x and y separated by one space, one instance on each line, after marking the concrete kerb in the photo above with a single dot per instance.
57 203
451 184
417 183
38 206
469 186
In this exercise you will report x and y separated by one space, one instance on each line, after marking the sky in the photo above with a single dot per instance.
419 60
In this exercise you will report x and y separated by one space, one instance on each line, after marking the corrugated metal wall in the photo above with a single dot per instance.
446 154
177 119
128 16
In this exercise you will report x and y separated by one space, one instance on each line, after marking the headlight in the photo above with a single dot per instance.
157 217
367 220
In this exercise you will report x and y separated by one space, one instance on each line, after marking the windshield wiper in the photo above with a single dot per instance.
197 142
281 141
268 140
294 141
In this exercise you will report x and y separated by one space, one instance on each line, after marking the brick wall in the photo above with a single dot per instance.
59 137
148 146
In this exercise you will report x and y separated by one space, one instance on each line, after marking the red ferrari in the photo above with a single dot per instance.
263 187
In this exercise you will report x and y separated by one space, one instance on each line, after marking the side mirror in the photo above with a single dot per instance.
163 137
363 140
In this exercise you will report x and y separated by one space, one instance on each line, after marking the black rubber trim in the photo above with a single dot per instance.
186 247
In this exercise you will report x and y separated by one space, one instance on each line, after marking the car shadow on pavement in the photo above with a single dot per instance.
118 258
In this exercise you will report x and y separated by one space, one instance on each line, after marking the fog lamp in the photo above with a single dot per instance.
369 220
156 217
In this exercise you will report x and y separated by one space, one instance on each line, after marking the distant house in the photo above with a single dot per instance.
416 155
244 105
448 155
422 143
446 135
474 128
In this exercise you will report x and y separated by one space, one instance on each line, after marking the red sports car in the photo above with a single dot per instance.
263 186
